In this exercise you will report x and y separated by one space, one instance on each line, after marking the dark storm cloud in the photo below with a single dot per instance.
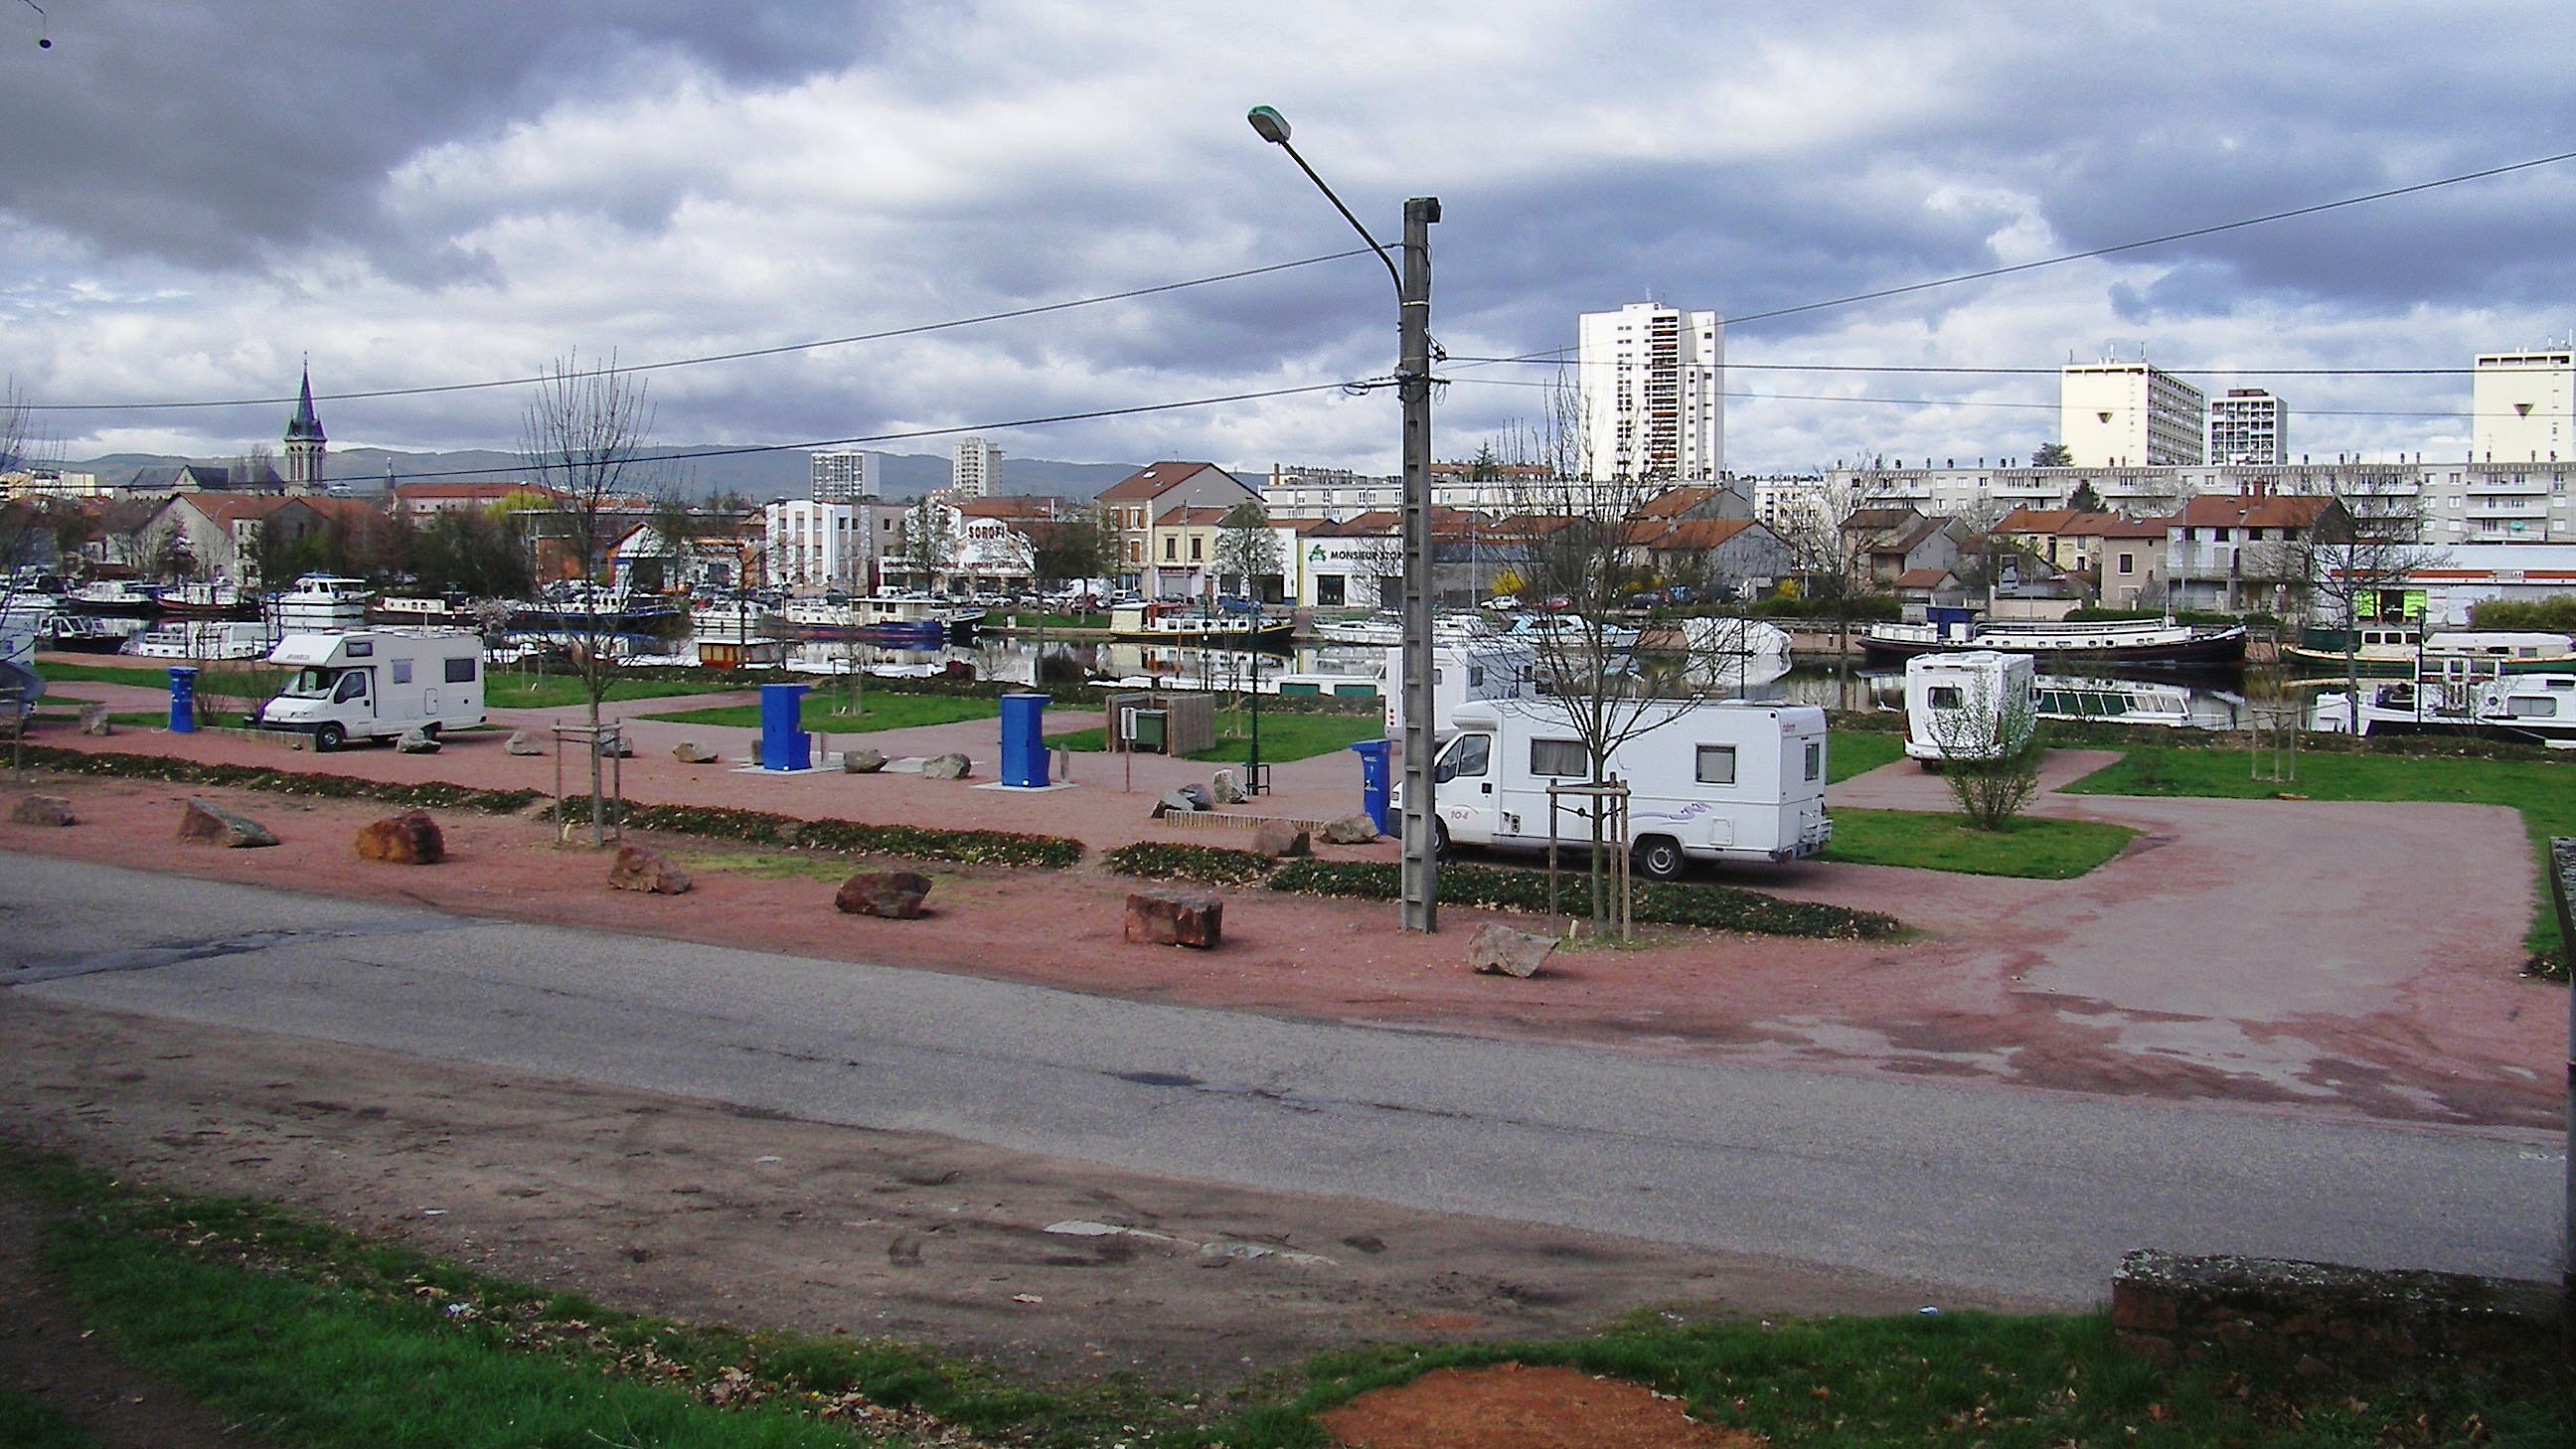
214 134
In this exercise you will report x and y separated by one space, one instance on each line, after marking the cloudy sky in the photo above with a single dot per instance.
193 196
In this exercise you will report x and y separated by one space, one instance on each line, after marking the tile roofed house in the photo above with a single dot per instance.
2237 551
1134 502
419 500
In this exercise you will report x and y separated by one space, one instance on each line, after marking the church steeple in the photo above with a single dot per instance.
305 443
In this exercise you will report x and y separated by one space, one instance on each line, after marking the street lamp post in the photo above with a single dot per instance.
1418 884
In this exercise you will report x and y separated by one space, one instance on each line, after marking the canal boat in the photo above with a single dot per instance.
2111 641
1170 623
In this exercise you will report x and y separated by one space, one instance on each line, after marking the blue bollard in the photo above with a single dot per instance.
183 700
782 745
1376 791
1024 756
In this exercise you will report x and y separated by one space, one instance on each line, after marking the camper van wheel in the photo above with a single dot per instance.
1440 850
1660 857
328 738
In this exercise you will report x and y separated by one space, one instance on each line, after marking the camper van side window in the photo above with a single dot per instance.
1815 760
1561 758
1943 696
402 671
1717 764
460 670
361 648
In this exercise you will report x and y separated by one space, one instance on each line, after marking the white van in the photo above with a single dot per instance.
374 683
1974 705
1736 780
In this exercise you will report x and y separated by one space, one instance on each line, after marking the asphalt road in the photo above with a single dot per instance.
2025 1194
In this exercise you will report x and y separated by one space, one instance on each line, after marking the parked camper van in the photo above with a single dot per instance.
1479 669
377 683
1729 781
1976 705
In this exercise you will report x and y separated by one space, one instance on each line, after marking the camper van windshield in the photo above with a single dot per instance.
311 684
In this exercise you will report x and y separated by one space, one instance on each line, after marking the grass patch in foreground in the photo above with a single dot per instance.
1857 752
881 711
25 1423
2544 790
2035 847
1656 903
1285 735
503 689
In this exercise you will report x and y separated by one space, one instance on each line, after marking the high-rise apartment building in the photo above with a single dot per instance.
2248 426
1652 380
2523 404
842 476
974 470
2114 414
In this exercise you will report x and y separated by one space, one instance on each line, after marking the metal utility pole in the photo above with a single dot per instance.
1418 878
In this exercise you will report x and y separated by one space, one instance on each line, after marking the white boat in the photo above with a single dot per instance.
321 604
2409 650
1568 631
2131 641
2535 708
2111 701
201 639
1382 629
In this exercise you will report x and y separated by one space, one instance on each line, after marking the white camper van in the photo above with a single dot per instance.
1479 669
377 682
1975 705
1729 781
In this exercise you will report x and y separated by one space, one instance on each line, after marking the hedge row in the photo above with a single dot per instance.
427 795
912 842
1722 908
1206 864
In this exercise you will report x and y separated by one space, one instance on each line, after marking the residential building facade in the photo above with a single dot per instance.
2522 406
2247 425
2113 413
844 475
1133 504
1651 381
974 470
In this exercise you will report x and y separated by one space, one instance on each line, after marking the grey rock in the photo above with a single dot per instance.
616 746
522 743
93 719
1277 838
416 742
947 767
1183 801
42 810
211 823
1499 950
862 760
1353 829
1226 788
690 752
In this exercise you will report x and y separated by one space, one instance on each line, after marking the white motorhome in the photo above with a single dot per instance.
1481 669
1974 705
1736 780
374 683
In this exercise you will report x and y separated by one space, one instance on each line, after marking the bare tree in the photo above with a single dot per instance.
929 545
1246 548
584 436
1831 556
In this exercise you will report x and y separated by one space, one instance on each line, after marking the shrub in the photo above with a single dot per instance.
852 837
1506 888
1206 864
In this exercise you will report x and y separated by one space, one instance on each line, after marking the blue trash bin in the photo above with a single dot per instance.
183 700
783 746
1024 756
1376 789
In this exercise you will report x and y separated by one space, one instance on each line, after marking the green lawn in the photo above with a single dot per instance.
883 710
1284 736
2543 790
504 690
2032 846
1857 752
149 678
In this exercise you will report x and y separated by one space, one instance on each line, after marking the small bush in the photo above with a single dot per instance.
1506 888
851 837
1206 864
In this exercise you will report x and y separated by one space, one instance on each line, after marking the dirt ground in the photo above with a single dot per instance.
2240 953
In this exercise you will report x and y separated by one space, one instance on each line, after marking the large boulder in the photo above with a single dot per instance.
210 823
894 894
41 810
690 752
1278 838
1499 950
642 868
1186 800
947 767
411 838
862 760
1226 788
522 743
616 746
416 742
1353 829
93 719
1176 918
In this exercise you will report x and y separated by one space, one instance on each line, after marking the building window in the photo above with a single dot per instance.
1171 548
1330 591
2128 563
1198 548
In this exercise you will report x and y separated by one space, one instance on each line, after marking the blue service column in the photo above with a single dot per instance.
1024 756
1375 791
783 746
183 700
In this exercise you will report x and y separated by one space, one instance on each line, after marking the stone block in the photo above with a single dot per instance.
1176 918
947 767
1278 838
690 752
1182 801
522 743
212 824
41 810
416 742
862 760
1225 787
411 838
895 895
1352 829
1498 950
642 868
93 720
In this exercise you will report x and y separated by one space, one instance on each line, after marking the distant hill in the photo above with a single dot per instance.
762 475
